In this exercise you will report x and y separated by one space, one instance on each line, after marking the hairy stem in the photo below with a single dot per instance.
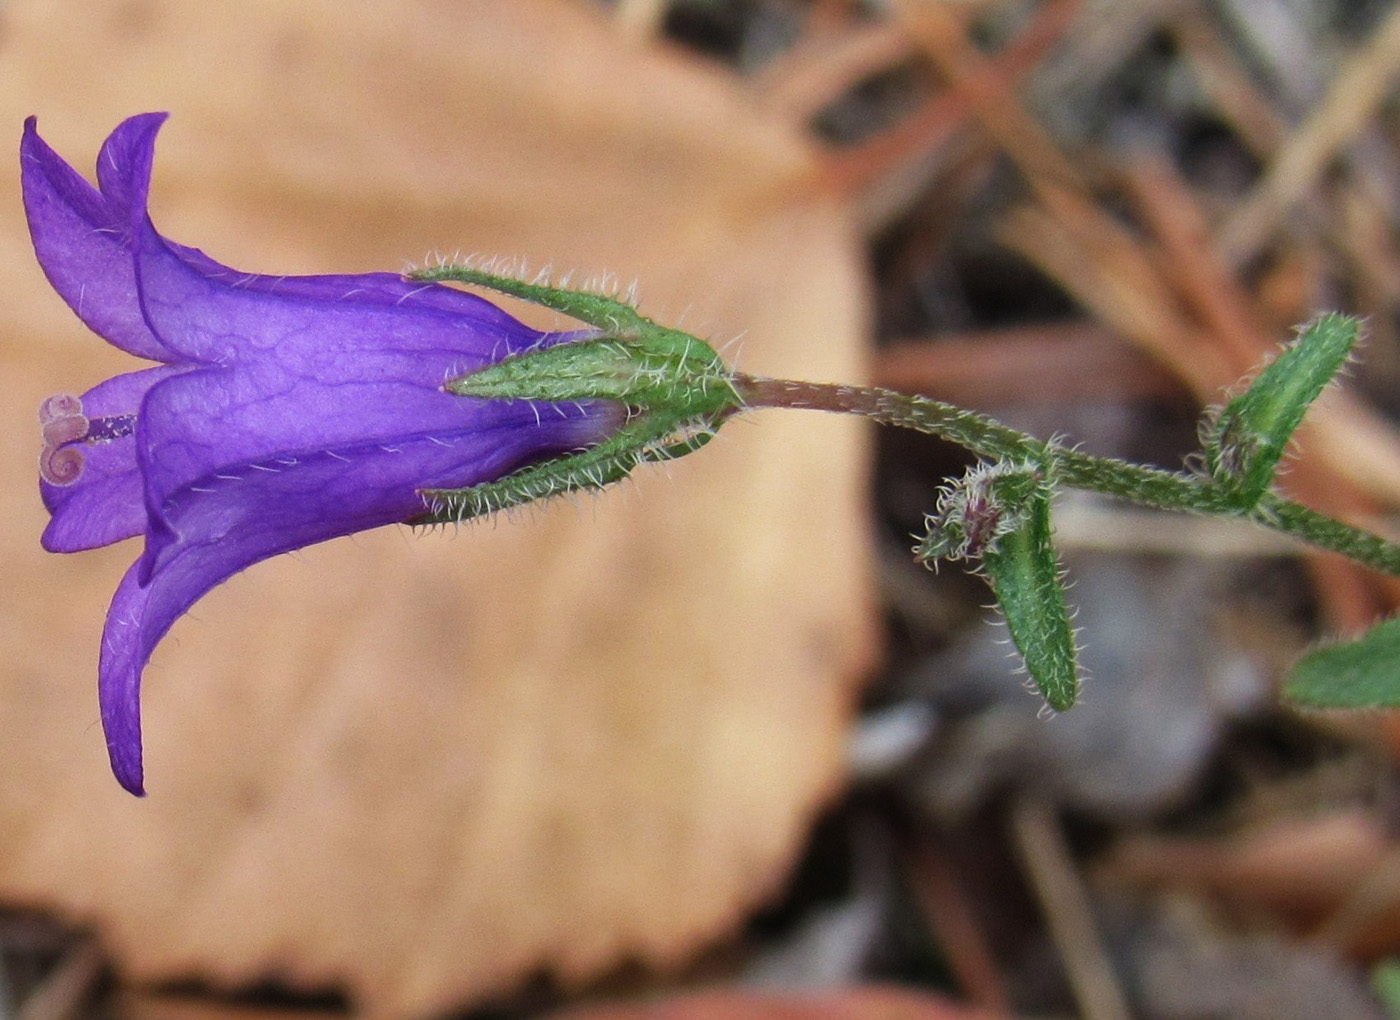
1147 486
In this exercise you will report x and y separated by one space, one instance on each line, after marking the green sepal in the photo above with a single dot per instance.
1245 442
676 390
659 369
654 370
609 313
594 468
1363 673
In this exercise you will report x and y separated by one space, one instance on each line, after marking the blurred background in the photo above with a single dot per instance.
712 744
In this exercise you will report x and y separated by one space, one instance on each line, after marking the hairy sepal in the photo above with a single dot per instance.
600 310
659 370
592 469
674 386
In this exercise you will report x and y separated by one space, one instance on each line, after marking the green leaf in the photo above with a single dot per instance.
1364 673
1026 578
999 514
1245 443
1385 980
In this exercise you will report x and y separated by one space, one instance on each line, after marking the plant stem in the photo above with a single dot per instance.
1327 533
1147 486
973 431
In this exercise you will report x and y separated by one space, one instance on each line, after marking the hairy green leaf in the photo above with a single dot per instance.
1364 673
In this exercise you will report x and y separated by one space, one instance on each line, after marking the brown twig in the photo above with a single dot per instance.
1068 911
1064 361
942 901
880 175
824 65
1350 102
64 991
942 32
1230 90
1107 271
1205 285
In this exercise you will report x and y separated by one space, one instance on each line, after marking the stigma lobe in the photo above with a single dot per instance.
65 430
63 423
60 405
61 465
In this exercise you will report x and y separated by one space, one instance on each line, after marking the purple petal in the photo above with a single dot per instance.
211 313
107 502
124 653
216 421
387 289
124 168
82 241
260 513
208 431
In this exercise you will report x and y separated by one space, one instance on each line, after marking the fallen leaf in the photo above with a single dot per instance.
854 1004
423 768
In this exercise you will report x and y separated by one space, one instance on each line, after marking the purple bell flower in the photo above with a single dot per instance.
284 411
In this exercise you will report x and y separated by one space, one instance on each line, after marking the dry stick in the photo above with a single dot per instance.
1357 460
1206 285
1093 259
819 70
1100 43
1127 281
1057 362
1358 444
1362 234
1372 900
1104 269
1206 282
1108 272
1143 308
944 35
941 898
868 175
1068 911
1063 194
64 991
1227 87
1350 102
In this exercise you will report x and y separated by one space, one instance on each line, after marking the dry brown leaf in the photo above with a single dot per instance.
426 767
853 1004
873 1003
